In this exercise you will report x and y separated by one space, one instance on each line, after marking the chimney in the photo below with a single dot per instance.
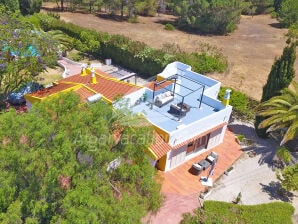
227 96
93 77
83 70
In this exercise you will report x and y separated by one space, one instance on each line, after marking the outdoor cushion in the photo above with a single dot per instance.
210 159
197 166
168 93
213 154
163 98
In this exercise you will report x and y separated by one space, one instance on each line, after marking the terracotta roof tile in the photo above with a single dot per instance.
159 147
108 87
84 93
111 88
77 79
150 85
52 90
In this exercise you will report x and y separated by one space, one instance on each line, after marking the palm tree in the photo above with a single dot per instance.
281 113
65 42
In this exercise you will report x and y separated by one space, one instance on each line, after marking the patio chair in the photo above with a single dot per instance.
195 169
212 157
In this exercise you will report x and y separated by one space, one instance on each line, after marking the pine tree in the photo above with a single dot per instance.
280 76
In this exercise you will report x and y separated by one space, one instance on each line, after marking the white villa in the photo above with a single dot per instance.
181 105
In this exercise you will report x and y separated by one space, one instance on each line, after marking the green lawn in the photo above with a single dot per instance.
50 76
223 212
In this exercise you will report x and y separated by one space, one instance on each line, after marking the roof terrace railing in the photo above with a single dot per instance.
175 77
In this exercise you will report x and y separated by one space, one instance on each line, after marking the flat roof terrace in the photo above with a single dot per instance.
160 116
191 93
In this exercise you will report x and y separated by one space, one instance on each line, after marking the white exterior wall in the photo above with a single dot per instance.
200 126
223 133
174 68
212 91
133 97
201 78
177 157
215 138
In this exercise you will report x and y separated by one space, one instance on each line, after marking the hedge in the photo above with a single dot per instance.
226 213
133 55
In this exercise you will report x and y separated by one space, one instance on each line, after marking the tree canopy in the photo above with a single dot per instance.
280 76
281 113
206 16
129 8
12 5
288 12
67 162
24 53
289 177
27 7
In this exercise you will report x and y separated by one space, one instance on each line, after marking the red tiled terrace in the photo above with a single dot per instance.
180 181
181 189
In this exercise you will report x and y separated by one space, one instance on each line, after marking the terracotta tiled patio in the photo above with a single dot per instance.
180 181
181 188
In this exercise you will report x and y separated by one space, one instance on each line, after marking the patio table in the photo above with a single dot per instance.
204 163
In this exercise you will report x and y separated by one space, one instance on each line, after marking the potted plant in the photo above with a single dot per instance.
205 193
240 139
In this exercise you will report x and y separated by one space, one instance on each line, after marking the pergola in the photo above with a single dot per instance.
197 86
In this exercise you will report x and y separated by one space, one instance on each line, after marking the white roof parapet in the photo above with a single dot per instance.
175 68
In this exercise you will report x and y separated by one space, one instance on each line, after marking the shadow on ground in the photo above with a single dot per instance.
276 25
276 192
266 147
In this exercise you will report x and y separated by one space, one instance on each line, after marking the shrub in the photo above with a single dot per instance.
223 212
33 20
133 55
75 56
240 137
133 19
169 26
284 154
54 15
240 103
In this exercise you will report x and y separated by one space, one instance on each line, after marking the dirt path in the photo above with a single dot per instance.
251 49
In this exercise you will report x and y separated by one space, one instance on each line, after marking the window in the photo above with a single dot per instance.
202 142
190 147
197 145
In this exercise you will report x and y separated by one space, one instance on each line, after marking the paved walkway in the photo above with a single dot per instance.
70 67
